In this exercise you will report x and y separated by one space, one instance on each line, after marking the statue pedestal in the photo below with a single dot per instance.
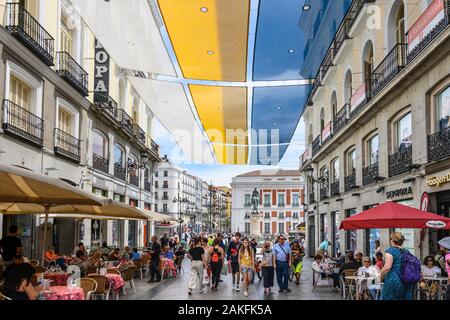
255 230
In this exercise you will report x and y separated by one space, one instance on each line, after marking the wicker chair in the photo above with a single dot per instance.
114 271
146 264
89 287
103 286
348 286
34 263
127 276
91 270
138 264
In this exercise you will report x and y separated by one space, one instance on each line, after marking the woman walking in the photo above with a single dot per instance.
246 263
267 267
216 257
296 262
197 256
394 288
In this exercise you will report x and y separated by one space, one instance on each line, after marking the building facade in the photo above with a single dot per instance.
51 124
280 206
376 123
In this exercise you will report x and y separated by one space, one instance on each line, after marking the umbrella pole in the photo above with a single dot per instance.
44 242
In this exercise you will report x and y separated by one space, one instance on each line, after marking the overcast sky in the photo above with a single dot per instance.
222 174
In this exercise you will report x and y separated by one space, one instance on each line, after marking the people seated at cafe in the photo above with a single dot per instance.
58 258
80 260
379 262
95 261
114 255
81 247
167 253
135 255
359 258
350 264
127 253
340 260
17 283
371 286
105 251
321 267
429 288
124 263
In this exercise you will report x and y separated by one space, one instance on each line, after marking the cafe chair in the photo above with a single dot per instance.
113 271
127 276
3 297
317 277
34 263
89 287
39 269
348 286
138 264
145 264
91 270
103 286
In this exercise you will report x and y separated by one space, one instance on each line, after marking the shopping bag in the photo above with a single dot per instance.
205 277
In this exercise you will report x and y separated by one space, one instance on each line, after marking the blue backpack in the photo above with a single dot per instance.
410 270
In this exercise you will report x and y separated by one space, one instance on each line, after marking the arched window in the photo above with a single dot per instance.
119 156
443 109
396 24
367 61
322 119
348 89
133 163
99 144
333 104
403 131
335 170
373 150
350 162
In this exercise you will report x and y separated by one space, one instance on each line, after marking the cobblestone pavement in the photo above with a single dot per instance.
176 289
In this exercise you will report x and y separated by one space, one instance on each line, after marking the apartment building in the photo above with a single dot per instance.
376 123
280 206
51 123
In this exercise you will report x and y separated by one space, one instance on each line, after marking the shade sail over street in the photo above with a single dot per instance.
394 215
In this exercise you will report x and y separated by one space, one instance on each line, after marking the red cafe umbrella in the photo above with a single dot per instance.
394 215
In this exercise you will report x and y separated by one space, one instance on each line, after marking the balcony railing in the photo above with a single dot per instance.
147 186
67 145
400 162
126 122
110 109
100 163
72 72
340 119
359 100
120 172
350 181
139 134
316 145
22 123
324 193
22 25
134 180
439 145
312 197
370 173
389 67
334 188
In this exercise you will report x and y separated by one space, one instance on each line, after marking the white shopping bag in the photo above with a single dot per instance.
205 277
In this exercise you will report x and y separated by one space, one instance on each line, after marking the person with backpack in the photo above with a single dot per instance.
217 256
444 244
401 271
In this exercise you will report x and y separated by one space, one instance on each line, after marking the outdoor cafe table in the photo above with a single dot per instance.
64 293
58 278
359 280
169 266
115 281
441 280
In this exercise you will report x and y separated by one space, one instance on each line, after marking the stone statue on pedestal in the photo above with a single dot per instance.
255 201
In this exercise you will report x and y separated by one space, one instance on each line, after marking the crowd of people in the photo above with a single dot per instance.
394 275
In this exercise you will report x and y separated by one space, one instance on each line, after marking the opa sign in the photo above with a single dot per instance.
101 76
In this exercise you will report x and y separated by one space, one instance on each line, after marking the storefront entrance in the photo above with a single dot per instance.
443 209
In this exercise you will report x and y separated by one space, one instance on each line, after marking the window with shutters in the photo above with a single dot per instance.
66 35
20 95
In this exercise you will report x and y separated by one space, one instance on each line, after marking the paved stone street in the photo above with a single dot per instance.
176 289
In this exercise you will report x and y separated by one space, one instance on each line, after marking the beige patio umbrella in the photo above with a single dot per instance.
155 216
24 191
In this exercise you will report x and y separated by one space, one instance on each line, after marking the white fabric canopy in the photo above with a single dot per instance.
127 26
170 105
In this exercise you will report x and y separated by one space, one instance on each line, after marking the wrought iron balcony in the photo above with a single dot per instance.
67 145
23 26
126 122
120 172
134 180
334 188
316 145
361 97
400 162
340 119
350 181
139 134
109 109
439 145
312 197
100 163
147 186
370 173
72 72
324 192
22 123
389 67
431 34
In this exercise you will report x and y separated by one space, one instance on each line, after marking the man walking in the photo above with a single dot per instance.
155 251
282 252
11 245
233 259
